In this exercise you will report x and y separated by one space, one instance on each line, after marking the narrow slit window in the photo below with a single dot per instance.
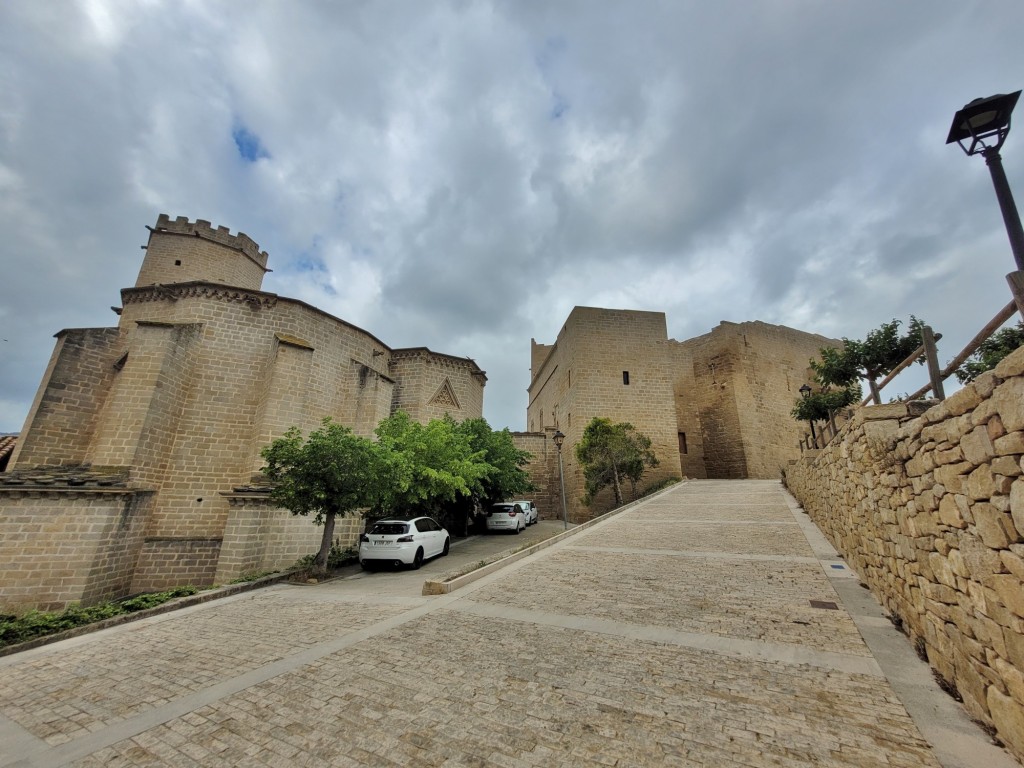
682 442
625 378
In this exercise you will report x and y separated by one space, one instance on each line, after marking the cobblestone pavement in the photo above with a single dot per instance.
679 632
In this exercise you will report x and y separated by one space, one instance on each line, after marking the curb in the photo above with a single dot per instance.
442 587
125 618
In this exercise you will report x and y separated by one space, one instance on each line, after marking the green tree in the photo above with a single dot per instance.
821 405
881 350
433 465
504 475
877 355
992 350
611 453
331 473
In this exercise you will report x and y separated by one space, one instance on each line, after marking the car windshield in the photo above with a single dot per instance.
390 529
502 507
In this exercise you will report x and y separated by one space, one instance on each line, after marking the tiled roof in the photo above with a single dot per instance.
7 443
258 484
78 476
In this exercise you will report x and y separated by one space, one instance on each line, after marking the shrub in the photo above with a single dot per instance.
33 624
655 487
336 558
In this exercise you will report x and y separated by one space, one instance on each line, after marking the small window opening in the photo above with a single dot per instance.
177 262
625 378
682 442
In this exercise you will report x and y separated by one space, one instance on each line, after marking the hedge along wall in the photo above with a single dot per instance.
927 505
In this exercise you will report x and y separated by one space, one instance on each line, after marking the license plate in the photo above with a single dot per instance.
382 543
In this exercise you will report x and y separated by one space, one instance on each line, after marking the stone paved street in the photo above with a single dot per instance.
678 632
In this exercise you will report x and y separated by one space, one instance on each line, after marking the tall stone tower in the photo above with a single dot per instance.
182 251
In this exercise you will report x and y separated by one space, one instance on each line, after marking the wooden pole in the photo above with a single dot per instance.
1001 317
1016 281
931 355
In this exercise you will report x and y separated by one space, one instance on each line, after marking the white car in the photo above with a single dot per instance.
532 516
507 516
403 542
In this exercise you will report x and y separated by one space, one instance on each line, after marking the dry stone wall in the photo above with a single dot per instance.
928 508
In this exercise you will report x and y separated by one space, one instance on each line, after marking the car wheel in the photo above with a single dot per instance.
444 551
366 565
417 561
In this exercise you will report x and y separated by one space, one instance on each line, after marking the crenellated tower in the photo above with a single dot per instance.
181 251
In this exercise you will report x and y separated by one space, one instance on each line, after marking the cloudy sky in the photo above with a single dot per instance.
460 174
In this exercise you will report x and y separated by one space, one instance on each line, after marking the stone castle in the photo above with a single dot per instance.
134 471
716 406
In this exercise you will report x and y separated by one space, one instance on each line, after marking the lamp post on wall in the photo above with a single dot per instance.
985 123
559 438
805 391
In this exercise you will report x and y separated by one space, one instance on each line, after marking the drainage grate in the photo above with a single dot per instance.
826 604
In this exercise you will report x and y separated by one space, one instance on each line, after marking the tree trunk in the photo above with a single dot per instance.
618 487
320 563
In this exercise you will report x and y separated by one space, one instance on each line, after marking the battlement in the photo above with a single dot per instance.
222 235
183 251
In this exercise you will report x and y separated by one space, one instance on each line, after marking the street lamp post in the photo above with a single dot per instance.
559 438
805 390
985 123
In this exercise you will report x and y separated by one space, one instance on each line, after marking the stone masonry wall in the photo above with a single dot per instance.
181 251
744 380
63 416
261 537
774 361
543 471
203 371
929 510
168 563
613 364
689 434
61 546
431 385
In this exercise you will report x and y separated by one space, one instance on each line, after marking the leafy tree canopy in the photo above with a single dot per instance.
879 353
433 464
504 476
439 469
820 405
992 350
332 472
611 453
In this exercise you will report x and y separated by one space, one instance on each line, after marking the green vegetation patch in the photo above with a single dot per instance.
33 624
